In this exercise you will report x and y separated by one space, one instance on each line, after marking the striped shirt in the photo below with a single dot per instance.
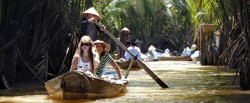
104 60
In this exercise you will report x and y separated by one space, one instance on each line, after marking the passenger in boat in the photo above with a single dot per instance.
193 48
128 44
166 53
124 38
134 50
88 27
189 51
139 44
86 58
103 49
194 53
153 53
186 52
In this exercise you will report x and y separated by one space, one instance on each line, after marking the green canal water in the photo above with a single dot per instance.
188 82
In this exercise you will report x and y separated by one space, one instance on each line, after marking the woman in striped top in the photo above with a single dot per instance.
103 49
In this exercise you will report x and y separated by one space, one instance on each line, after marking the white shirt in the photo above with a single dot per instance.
134 50
83 65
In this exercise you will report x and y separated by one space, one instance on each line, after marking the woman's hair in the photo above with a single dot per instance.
105 50
133 44
128 43
94 57
85 40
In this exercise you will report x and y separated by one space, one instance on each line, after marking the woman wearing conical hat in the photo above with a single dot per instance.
88 26
124 38
103 49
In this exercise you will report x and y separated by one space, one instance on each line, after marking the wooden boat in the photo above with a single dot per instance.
175 58
76 85
125 65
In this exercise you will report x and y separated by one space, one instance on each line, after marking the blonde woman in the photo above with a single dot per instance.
86 58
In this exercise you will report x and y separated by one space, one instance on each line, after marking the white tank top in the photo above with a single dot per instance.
83 65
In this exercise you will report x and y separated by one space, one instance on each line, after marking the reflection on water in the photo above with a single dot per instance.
188 82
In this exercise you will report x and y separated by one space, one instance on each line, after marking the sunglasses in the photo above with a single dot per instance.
86 44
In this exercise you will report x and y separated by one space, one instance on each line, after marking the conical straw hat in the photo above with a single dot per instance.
91 11
151 48
193 47
125 29
106 46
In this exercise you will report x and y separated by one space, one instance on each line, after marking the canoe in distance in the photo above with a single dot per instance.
175 58
125 65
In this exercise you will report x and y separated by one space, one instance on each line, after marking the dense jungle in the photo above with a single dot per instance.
38 37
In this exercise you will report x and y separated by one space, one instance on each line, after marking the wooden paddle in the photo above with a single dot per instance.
141 64
160 50
129 68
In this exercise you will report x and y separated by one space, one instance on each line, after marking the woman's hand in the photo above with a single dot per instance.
89 74
82 70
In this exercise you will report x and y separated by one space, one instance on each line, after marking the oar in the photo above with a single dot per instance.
129 68
61 70
160 50
141 64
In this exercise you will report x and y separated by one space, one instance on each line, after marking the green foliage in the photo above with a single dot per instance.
204 11
151 19
40 31
159 20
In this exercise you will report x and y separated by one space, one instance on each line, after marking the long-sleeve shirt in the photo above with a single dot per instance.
104 60
134 50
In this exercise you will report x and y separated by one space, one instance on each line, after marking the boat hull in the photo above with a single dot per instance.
175 58
125 65
75 85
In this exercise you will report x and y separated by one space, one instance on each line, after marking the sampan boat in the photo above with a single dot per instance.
125 64
175 58
76 85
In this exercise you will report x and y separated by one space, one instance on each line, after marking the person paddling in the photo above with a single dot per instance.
88 27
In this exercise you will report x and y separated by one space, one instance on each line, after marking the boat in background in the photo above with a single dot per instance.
125 64
175 58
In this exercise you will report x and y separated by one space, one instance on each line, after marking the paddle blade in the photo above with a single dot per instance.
158 80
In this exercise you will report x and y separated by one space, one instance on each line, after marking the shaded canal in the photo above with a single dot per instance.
188 82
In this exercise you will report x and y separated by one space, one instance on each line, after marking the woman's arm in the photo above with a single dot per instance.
74 63
116 67
84 26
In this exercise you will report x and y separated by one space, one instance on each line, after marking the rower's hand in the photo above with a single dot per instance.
135 57
102 28
92 20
